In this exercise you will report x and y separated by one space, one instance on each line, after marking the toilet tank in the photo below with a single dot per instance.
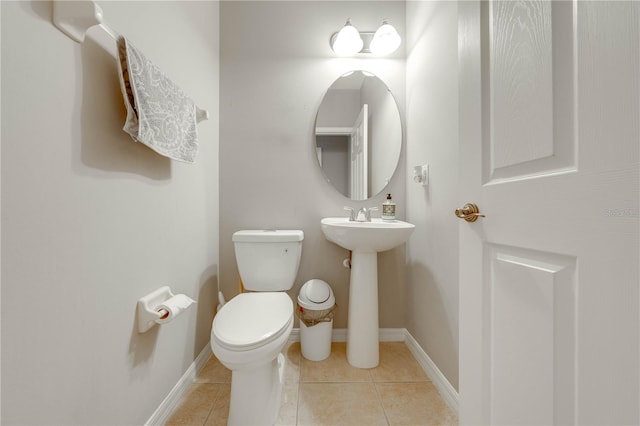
268 260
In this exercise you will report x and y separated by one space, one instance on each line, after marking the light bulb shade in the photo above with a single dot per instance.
386 40
347 41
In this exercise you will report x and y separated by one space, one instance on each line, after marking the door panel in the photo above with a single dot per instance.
529 77
359 168
549 151
532 318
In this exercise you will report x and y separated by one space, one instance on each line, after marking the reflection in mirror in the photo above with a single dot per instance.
358 135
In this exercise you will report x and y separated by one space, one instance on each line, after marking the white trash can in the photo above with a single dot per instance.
316 306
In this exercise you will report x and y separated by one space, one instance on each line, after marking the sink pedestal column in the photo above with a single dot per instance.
362 330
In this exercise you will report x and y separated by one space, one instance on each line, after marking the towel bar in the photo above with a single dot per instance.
75 18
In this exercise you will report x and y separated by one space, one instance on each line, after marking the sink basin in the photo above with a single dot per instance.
377 235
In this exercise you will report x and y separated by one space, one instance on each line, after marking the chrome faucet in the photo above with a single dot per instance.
352 213
366 212
363 215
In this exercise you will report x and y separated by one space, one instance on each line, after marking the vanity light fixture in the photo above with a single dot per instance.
349 41
386 39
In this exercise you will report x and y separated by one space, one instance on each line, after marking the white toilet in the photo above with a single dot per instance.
250 330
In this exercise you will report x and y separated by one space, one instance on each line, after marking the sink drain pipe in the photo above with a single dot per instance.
347 261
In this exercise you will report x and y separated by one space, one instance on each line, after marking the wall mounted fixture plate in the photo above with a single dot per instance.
421 174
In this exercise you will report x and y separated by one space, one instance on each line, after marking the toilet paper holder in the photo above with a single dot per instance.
149 311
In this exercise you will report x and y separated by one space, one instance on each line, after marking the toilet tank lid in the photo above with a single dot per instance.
268 235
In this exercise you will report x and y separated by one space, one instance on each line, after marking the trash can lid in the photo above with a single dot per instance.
316 295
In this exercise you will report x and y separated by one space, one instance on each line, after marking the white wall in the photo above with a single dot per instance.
276 65
91 221
432 137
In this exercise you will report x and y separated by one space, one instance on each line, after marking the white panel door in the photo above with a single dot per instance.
549 146
359 164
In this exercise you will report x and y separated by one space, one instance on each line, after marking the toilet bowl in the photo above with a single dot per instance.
250 349
250 331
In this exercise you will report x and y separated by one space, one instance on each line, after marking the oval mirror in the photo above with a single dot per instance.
358 135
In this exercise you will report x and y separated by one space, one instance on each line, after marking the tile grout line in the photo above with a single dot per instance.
213 404
299 388
386 417
375 386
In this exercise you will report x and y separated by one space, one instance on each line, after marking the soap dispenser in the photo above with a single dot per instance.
388 209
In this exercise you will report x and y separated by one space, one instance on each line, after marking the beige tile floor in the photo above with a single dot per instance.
330 392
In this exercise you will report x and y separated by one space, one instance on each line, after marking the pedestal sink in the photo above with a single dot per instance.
365 240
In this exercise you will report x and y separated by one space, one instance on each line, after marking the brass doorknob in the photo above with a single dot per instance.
469 212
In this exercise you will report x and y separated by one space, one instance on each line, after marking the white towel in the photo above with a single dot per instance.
159 114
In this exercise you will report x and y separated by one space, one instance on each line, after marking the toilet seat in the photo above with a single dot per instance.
251 320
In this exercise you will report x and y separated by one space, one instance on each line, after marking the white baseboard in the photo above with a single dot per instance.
340 335
446 390
169 404
392 334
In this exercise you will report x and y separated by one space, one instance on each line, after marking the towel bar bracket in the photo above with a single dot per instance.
75 18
